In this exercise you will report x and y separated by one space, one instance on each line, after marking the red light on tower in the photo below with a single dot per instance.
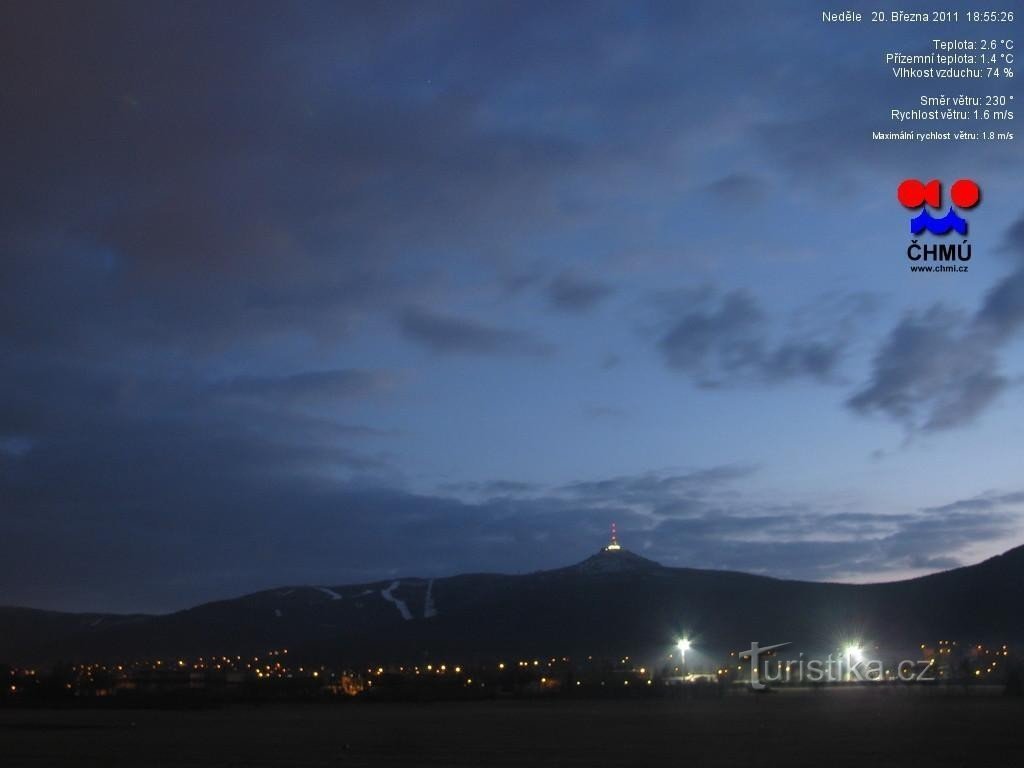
613 545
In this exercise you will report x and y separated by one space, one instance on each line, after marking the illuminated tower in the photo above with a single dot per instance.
613 545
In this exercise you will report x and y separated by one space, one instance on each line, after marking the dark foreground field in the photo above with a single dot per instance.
833 728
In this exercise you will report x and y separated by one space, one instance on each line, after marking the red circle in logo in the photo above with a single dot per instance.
911 193
965 193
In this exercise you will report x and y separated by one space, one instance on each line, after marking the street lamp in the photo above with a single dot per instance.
683 645
854 655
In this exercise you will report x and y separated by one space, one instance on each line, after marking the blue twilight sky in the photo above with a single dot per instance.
332 292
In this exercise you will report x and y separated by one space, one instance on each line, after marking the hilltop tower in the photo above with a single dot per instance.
613 545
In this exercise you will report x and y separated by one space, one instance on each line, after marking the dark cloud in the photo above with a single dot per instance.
984 504
447 334
573 293
940 368
724 340
725 336
936 370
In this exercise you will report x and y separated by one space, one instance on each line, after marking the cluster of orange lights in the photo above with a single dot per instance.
545 667
274 664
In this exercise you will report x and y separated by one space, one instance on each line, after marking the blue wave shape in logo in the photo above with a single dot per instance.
924 221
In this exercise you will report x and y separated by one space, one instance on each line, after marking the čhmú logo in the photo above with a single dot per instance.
914 194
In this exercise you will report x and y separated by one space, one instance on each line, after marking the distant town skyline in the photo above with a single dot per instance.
339 292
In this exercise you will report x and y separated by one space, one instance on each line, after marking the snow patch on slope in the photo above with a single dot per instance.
388 595
429 611
330 593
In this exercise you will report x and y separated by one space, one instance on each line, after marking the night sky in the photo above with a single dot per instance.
324 293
